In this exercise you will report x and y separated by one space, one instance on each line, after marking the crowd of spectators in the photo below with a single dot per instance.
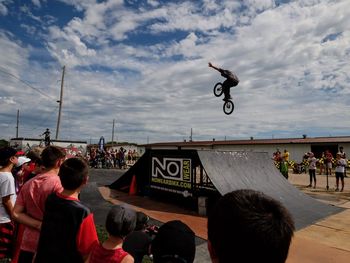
309 164
50 224
110 158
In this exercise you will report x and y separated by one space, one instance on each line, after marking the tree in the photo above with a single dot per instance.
3 143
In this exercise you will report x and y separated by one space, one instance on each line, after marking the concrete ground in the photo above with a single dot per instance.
325 241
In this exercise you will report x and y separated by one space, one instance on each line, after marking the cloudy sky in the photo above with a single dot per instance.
144 64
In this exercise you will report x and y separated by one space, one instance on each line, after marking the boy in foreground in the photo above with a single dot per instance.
249 226
68 231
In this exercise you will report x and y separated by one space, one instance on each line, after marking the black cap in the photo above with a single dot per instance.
175 242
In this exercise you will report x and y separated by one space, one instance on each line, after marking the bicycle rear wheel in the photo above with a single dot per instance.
218 89
228 107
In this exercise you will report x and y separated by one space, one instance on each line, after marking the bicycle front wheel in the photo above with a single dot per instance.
218 89
228 107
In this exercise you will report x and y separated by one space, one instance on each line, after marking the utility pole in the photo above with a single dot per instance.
60 103
17 123
191 136
113 133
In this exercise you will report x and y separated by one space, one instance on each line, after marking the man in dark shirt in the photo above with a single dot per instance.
47 137
231 80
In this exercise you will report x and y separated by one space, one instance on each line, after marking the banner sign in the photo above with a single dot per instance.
171 174
101 144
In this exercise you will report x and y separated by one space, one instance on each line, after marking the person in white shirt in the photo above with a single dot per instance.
8 160
312 168
339 172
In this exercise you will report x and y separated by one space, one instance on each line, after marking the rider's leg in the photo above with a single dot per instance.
226 88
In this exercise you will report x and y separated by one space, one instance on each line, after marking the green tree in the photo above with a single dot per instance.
3 143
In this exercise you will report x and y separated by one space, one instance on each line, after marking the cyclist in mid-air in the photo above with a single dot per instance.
231 80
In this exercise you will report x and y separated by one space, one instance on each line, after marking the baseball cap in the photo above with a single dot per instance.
7 152
175 242
22 160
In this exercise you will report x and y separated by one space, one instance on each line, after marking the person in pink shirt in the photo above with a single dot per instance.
30 203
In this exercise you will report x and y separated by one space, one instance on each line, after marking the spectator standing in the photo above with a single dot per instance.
21 171
138 242
322 163
30 204
174 243
284 163
248 226
120 222
312 168
339 172
285 155
121 155
328 157
343 156
134 156
35 163
8 160
129 156
68 231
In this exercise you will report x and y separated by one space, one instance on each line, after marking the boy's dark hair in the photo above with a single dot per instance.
121 221
249 226
73 173
51 154
174 243
5 155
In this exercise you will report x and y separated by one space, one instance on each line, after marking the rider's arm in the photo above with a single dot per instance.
212 66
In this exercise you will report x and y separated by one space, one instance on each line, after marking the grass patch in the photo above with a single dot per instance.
101 233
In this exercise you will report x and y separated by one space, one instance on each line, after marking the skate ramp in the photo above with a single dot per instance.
230 171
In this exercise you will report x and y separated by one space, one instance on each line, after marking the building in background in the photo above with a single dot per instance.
297 147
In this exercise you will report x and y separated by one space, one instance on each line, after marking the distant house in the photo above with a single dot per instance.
25 144
296 146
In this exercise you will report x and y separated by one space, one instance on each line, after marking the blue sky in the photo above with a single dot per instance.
145 65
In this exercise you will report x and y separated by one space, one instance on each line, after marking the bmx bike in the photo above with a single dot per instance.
228 106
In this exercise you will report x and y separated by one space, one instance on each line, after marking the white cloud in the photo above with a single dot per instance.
3 7
153 3
36 3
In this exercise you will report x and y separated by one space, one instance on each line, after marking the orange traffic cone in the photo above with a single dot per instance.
133 186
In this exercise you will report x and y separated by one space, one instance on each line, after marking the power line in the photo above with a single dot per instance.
27 84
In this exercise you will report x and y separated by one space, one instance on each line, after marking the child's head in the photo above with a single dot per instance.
34 154
174 242
51 155
73 173
120 221
8 156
